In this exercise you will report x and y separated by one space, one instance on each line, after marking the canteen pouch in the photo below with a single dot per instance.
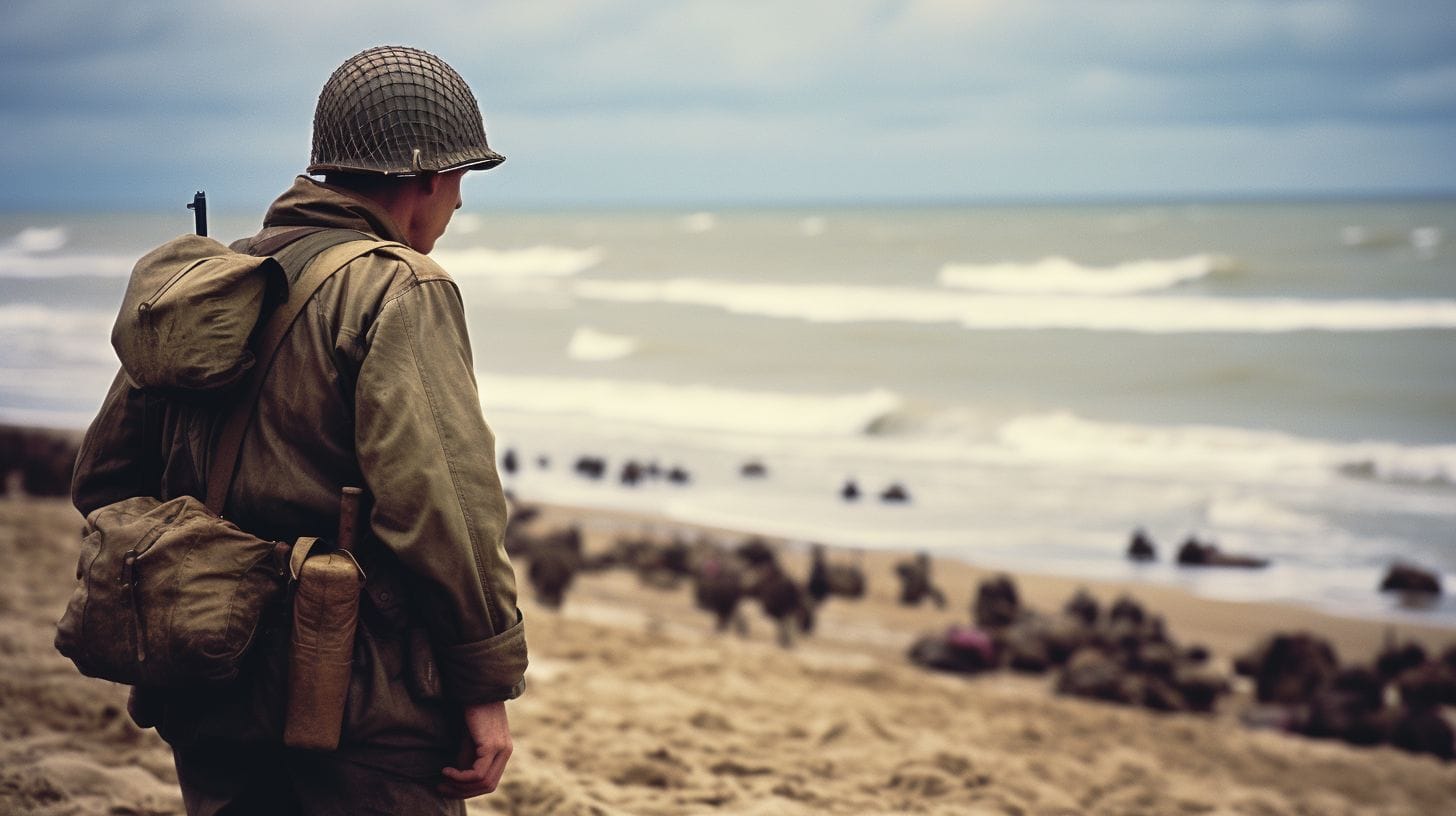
325 617
169 594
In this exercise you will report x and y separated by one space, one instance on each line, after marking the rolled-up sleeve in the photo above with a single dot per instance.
428 458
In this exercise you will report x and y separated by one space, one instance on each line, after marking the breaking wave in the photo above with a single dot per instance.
1058 275
689 407
1061 437
537 261
588 344
29 255
990 312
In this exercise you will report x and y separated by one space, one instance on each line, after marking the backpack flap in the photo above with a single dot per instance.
190 309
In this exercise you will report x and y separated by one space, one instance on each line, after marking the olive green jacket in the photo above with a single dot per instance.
373 386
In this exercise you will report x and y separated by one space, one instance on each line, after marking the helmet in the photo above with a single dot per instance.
400 112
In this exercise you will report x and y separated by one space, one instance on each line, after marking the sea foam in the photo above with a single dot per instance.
1219 451
588 344
37 239
689 407
1132 313
1058 275
546 261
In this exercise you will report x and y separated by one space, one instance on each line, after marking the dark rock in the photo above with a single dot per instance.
850 491
1096 675
1410 578
1424 731
1428 685
1083 607
753 470
1194 553
895 494
1141 547
1394 659
1289 668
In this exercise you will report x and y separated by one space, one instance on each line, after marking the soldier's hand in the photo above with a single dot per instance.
480 772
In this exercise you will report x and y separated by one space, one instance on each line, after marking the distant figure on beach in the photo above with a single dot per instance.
554 563
374 386
827 578
850 491
719 587
915 583
1141 547
895 493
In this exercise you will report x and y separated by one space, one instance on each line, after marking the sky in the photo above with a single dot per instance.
133 105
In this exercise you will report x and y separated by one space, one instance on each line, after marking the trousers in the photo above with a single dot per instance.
248 779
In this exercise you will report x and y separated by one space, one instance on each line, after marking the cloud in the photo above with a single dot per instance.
606 100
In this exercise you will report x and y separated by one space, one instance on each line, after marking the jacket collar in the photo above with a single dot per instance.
313 203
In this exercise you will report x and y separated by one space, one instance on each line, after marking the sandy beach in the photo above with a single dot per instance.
635 706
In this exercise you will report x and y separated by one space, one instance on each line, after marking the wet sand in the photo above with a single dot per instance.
634 706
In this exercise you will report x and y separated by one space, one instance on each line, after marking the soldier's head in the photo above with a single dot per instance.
400 126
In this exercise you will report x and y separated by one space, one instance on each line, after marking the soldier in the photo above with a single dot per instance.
374 387
915 583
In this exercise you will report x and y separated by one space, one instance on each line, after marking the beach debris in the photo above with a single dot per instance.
1301 687
591 467
915 583
1195 553
895 493
959 649
753 469
1141 547
1124 657
1404 577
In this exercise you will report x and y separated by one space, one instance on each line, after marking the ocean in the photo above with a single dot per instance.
1275 377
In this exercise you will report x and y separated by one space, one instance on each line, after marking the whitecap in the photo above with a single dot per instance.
998 312
65 266
588 344
1218 452
813 226
1058 275
689 407
547 261
699 222
33 240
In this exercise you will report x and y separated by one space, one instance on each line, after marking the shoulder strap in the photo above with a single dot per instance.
308 261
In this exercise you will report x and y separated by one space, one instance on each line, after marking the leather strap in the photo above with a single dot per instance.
309 261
